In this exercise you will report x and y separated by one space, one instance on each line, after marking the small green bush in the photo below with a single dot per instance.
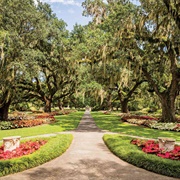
121 147
53 148
4 125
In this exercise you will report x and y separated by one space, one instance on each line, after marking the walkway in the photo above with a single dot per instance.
88 158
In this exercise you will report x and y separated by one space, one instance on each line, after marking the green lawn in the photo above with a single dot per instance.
64 123
112 123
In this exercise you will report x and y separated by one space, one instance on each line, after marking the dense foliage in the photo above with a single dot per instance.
128 57
145 42
35 64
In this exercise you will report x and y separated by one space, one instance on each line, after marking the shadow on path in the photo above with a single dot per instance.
92 169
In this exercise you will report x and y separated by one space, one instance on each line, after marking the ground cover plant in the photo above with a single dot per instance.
54 147
112 122
121 146
152 147
63 123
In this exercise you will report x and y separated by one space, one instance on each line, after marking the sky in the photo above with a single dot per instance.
70 11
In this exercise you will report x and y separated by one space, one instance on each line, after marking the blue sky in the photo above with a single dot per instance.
69 10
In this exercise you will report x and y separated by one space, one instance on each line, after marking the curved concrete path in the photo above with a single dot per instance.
88 158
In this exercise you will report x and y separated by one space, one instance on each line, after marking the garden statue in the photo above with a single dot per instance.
11 143
166 143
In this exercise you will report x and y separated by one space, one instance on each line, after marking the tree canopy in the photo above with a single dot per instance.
127 51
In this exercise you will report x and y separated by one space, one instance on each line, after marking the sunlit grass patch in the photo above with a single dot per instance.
63 123
113 123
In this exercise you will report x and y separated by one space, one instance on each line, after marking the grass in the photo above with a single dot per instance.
113 123
64 123
52 149
122 148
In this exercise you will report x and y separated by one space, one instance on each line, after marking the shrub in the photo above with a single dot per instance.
53 148
4 125
121 147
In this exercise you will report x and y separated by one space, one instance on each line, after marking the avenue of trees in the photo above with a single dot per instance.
128 57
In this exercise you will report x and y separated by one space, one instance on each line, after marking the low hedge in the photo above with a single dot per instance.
55 146
122 148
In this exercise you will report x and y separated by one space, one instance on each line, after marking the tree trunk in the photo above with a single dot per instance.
47 107
125 99
124 103
4 111
124 106
60 105
168 97
168 110
109 102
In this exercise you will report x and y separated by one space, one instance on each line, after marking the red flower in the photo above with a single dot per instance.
25 148
150 146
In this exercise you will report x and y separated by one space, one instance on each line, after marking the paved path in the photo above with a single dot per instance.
88 158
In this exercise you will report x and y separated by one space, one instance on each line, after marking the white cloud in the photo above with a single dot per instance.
65 2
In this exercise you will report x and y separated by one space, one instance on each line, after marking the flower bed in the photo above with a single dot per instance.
139 117
140 120
28 121
151 122
24 149
55 146
43 115
152 147
166 126
47 118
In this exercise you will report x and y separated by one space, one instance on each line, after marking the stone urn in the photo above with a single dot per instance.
11 143
166 143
